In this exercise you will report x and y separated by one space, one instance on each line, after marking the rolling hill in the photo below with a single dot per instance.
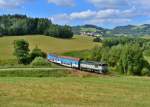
46 43
132 30
129 30
88 28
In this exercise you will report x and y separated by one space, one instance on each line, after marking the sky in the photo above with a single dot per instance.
104 13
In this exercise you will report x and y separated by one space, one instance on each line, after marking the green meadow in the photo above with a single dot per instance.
75 92
47 44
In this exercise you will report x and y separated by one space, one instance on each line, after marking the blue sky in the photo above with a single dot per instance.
105 13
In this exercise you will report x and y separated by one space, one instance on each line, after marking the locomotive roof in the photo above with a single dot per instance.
67 57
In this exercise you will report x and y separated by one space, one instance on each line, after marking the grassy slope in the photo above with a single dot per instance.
75 92
80 54
48 44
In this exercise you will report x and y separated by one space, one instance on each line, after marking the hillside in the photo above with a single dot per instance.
129 30
132 30
47 44
88 28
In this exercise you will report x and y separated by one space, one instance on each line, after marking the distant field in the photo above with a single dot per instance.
47 44
88 29
75 92
146 37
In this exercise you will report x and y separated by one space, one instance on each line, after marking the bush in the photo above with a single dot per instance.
39 61
97 39
1 35
36 52
145 72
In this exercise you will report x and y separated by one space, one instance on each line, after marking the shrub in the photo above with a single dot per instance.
1 35
36 52
145 72
39 61
97 39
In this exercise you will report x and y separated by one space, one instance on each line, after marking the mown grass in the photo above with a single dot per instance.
34 73
85 54
75 92
47 44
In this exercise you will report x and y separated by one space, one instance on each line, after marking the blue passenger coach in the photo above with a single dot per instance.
64 60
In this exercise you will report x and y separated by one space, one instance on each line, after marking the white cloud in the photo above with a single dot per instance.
69 3
141 5
82 15
109 3
118 21
145 3
121 4
12 3
96 17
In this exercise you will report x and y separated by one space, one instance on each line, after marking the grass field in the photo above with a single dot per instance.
88 29
47 44
75 92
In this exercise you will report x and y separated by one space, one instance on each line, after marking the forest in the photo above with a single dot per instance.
12 25
125 54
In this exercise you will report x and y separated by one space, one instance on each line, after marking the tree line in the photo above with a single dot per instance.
124 54
11 25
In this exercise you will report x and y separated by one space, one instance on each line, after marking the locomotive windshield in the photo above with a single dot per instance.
104 65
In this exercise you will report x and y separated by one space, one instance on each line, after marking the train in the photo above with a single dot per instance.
78 63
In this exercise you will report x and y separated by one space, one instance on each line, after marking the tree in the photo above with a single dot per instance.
53 31
105 54
42 25
36 52
123 61
132 61
96 53
22 51
114 55
65 32
59 31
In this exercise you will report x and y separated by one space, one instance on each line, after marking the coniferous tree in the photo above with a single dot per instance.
22 51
